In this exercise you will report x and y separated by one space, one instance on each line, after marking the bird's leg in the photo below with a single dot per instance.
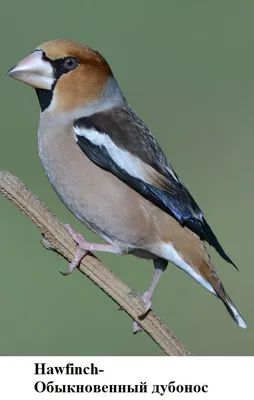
83 248
160 265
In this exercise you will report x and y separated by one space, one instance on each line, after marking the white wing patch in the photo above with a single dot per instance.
125 160
171 171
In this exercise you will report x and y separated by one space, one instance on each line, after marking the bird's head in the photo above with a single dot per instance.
66 75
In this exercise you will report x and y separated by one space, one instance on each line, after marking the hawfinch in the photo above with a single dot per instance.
111 173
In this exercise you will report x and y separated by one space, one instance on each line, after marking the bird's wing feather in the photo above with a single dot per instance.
119 142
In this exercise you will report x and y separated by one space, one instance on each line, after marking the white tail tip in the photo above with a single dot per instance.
236 315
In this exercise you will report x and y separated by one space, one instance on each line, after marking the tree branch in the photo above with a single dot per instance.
60 241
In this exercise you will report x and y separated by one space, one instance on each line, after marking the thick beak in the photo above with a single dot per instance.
34 71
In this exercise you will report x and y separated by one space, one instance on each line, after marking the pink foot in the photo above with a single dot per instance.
147 299
78 238
83 248
81 251
160 266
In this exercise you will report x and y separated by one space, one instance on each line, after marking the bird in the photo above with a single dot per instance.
109 170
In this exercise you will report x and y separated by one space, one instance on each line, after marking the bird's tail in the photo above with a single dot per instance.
203 230
199 266
213 241
233 311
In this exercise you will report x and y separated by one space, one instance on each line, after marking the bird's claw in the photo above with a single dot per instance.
45 243
66 273
80 253
148 304
136 328
146 297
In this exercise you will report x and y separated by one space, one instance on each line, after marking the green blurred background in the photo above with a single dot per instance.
187 69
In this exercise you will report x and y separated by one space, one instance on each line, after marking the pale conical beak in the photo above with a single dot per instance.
34 70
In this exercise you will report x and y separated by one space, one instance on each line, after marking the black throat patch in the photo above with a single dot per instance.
44 97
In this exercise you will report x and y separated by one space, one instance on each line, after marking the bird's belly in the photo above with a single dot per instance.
105 204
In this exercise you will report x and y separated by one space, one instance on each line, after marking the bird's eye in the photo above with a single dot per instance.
70 63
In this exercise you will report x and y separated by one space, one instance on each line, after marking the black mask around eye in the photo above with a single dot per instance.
60 67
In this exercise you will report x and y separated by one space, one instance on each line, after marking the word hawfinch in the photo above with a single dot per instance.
109 170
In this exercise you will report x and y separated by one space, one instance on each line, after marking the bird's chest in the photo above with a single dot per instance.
66 166
79 183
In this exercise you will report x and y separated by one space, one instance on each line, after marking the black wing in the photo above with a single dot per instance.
165 190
